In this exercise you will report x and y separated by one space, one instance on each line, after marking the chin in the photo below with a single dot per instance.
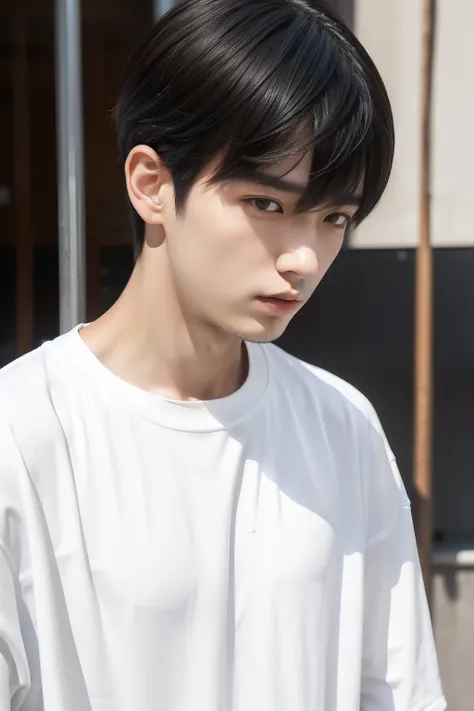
258 332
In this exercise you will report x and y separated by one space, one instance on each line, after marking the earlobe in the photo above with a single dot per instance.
145 176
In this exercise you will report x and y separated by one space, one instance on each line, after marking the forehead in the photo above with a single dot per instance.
296 168
293 170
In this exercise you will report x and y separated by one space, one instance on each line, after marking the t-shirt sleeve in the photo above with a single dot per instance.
14 672
399 666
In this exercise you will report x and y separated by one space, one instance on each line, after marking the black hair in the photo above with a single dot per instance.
253 82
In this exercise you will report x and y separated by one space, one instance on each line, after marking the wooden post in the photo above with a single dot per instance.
21 196
423 510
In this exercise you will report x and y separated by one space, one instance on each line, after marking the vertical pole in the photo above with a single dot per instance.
72 298
424 319
22 183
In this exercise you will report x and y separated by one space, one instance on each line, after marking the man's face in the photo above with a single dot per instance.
240 256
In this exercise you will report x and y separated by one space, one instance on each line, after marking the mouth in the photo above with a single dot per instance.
281 304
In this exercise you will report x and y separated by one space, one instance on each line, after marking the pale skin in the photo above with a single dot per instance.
199 287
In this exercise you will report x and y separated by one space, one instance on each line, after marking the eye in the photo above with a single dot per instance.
265 205
339 219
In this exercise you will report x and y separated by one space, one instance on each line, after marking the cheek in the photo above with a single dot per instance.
214 256
215 236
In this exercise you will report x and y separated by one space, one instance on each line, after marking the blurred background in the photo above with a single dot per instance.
360 323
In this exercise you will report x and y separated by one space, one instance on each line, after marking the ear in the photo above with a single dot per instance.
148 183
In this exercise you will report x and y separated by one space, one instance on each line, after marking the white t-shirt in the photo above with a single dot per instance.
254 553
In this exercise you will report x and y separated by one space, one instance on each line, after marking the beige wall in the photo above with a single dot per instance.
453 129
391 30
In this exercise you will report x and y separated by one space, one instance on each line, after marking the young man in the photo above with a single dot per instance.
190 518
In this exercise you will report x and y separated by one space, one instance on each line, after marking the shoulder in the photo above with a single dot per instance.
25 386
29 391
29 429
323 402
24 396
324 392
14 375
29 383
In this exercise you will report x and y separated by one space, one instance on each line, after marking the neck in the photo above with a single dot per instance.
148 340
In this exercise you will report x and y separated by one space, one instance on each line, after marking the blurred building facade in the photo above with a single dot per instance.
360 322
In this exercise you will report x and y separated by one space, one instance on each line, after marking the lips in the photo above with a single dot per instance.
285 297
280 303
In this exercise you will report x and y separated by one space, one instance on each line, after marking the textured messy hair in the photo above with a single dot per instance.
252 82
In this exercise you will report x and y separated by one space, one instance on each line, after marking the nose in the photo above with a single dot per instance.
302 261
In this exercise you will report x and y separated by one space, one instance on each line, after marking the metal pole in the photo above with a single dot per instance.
424 319
72 298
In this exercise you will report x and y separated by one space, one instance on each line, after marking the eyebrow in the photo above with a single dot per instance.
289 186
